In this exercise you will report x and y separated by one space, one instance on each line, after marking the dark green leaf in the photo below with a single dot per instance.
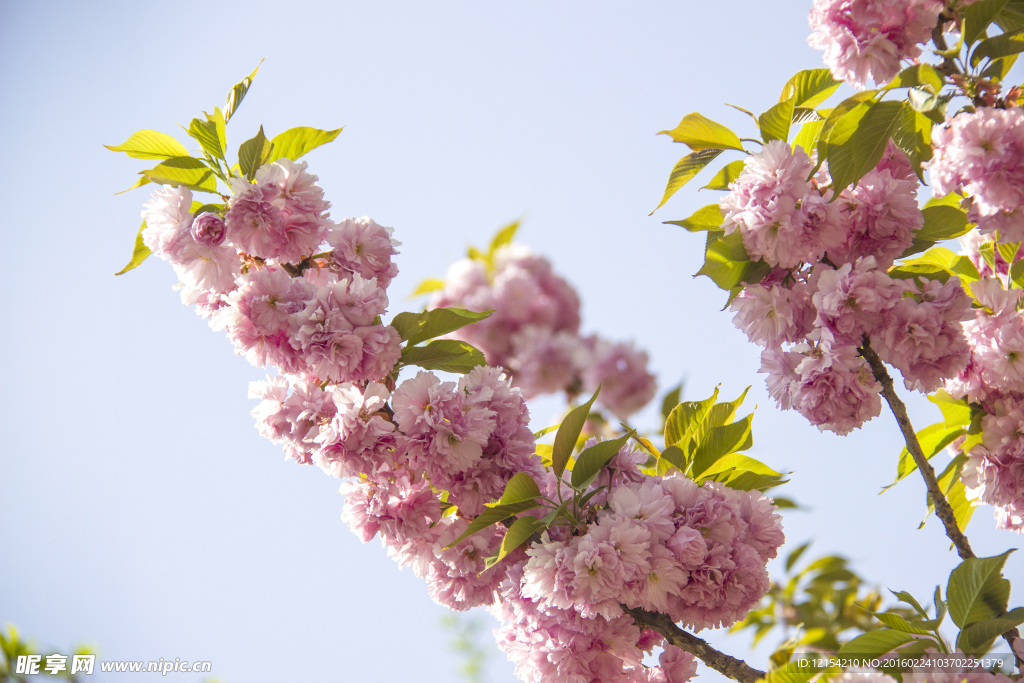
417 327
699 133
809 88
491 516
978 16
977 590
706 218
675 456
139 253
253 153
592 460
517 534
150 144
786 504
447 355
520 487
775 122
1003 45
185 171
295 142
238 92
725 176
568 433
856 142
895 621
685 169
976 639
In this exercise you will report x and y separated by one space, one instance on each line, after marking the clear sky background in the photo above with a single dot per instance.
141 511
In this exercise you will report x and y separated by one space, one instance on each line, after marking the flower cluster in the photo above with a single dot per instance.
534 331
865 39
981 154
829 290
994 381
420 459
697 553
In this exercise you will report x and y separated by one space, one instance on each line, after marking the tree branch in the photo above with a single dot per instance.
942 507
736 669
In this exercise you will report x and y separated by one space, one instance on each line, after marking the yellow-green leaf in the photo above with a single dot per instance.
185 171
685 169
699 132
150 144
295 142
139 254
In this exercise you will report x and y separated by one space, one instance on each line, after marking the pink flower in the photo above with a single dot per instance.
885 215
852 300
362 246
544 362
290 413
621 371
865 39
777 211
772 314
208 229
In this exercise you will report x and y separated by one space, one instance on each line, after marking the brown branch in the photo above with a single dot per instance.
736 669
942 507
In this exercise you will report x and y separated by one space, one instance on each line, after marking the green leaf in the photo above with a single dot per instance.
977 590
671 400
139 254
491 516
895 621
955 412
808 135
517 534
794 555
210 133
976 639
185 171
238 93
503 237
914 137
417 327
1011 18
805 114
904 596
978 16
719 442
933 439
447 355
720 414
253 153
786 504
809 88
938 263
943 223
706 218
684 417
725 176
520 487
428 285
875 643
859 102
295 142
727 264
592 460
857 141
918 76
999 68
739 462
138 183
568 433
150 144
775 122
699 133
674 455
1003 45
685 169
545 431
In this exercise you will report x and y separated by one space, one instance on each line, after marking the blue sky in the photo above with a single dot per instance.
142 512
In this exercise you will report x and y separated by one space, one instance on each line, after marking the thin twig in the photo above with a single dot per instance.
942 507
736 669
